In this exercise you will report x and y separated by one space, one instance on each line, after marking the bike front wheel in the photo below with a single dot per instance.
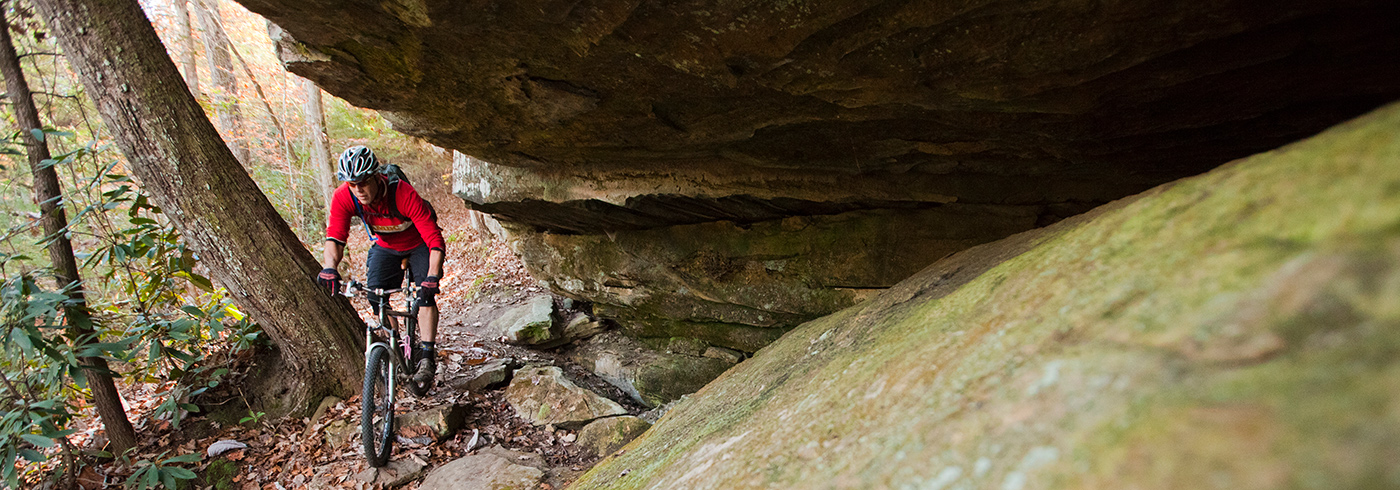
377 407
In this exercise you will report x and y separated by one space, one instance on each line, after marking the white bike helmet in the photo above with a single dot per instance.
356 163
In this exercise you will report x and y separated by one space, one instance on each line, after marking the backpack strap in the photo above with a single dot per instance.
392 195
360 211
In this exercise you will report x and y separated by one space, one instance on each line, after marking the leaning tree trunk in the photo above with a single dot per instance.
65 265
218 51
178 157
184 38
320 144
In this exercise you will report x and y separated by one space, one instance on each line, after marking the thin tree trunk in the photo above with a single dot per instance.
320 143
55 222
217 50
184 37
179 158
218 25
288 155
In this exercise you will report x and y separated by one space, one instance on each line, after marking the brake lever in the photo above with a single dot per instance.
352 289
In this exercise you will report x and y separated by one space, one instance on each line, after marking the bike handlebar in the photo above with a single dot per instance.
355 288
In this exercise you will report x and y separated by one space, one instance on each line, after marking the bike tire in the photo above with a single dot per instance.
416 356
377 408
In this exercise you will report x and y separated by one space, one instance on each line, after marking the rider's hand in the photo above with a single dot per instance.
429 287
329 278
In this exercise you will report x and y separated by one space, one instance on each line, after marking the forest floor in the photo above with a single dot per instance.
481 276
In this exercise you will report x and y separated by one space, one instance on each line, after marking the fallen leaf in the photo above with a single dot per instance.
89 479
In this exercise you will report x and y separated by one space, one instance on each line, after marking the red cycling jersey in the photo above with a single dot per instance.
394 233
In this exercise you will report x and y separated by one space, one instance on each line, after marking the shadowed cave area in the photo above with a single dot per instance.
725 171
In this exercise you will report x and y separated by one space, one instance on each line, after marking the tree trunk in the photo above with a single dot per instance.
178 157
225 97
222 33
184 37
65 265
320 143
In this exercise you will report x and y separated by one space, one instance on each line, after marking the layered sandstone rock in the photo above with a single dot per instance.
1238 329
729 170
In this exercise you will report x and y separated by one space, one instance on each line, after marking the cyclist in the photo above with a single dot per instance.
402 225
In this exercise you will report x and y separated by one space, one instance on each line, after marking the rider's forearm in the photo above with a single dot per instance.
330 258
435 262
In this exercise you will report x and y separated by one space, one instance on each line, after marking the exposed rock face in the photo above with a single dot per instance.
441 422
650 375
530 323
498 469
1238 329
542 395
603 436
729 170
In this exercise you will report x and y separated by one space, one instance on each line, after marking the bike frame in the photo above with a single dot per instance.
377 438
400 359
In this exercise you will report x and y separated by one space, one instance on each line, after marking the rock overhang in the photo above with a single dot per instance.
726 163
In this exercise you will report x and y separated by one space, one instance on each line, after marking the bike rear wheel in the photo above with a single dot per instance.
377 407
414 358
419 389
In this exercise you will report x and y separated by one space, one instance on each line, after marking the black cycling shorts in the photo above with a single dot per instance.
383 272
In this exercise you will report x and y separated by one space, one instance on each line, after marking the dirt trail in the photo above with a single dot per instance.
481 278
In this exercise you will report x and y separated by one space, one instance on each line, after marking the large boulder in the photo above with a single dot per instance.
393 475
491 374
542 395
603 436
728 170
650 375
496 469
439 422
1239 330
529 323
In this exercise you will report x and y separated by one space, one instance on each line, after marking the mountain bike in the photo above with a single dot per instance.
388 359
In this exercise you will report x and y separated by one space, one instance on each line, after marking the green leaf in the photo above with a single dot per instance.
184 458
181 473
38 134
60 433
22 338
192 310
37 440
80 377
182 325
32 455
199 281
102 349
181 355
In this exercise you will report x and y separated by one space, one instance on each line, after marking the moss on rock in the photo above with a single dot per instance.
1239 329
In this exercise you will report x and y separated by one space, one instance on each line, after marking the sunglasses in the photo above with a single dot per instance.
359 184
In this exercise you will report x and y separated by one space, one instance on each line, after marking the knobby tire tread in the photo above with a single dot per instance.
376 375
418 389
